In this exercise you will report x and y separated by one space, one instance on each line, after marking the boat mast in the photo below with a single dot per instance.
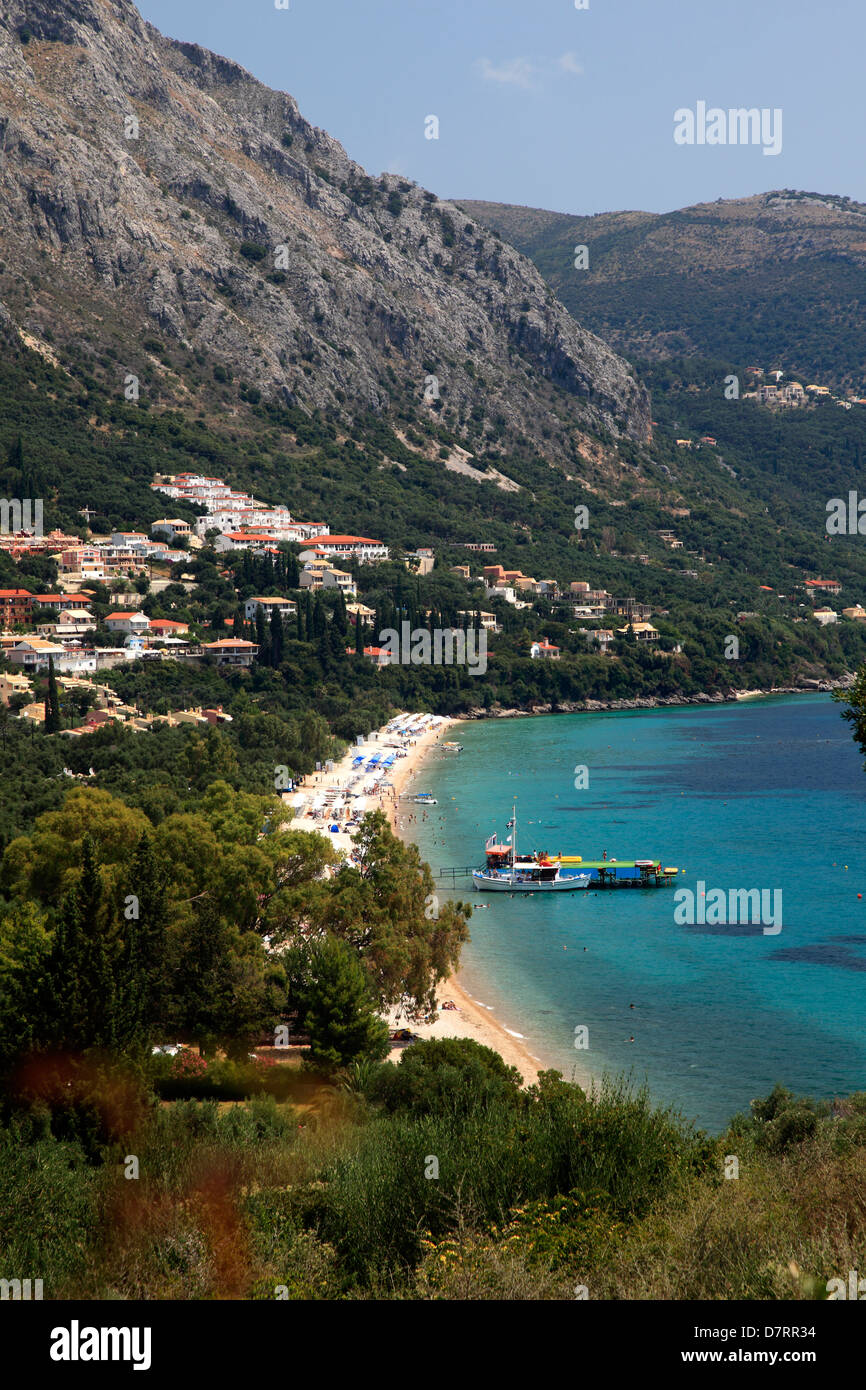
513 841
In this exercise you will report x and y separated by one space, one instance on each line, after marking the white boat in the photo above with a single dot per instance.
536 880
524 875
424 799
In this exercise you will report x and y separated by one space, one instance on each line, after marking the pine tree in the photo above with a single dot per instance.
338 1009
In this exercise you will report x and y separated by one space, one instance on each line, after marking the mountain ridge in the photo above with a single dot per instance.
774 278
177 228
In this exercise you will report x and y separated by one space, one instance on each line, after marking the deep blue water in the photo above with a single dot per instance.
767 794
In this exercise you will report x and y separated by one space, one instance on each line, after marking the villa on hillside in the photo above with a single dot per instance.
545 650
380 656
232 651
128 622
362 548
604 636
644 632
284 606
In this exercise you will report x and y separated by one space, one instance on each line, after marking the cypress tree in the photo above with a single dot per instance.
320 622
340 618
81 993
144 979
277 638
52 701
262 635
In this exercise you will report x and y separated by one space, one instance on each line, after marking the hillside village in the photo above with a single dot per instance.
60 631
778 392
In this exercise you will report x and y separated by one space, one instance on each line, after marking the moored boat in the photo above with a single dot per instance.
506 872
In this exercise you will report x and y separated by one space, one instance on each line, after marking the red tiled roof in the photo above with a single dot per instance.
342 540
233 642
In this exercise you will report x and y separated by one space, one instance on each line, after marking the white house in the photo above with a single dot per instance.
284 606
232 651
128 622
170 527
362 548
544 650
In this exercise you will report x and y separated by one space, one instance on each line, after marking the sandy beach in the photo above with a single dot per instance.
346 788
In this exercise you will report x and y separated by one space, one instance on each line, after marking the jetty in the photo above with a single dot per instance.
603 873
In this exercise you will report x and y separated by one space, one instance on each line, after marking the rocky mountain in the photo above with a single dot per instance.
772 280
154 196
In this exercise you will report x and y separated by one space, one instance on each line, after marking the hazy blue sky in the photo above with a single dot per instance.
543 104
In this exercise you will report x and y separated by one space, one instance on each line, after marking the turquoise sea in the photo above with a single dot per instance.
766 794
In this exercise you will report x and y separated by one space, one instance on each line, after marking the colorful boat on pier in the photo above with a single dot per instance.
506 872
503 860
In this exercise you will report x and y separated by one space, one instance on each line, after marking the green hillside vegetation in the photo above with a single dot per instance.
774 280
435 1179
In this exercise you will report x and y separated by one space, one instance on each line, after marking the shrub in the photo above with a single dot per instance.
445 1075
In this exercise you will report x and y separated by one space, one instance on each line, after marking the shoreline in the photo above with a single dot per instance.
470 1018
642 702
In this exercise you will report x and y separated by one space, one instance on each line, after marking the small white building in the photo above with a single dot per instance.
232 651
544 650
128 622
286 607
170 527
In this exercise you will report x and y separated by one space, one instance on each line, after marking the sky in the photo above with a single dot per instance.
547 105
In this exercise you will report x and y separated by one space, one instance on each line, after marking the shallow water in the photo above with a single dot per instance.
767 794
